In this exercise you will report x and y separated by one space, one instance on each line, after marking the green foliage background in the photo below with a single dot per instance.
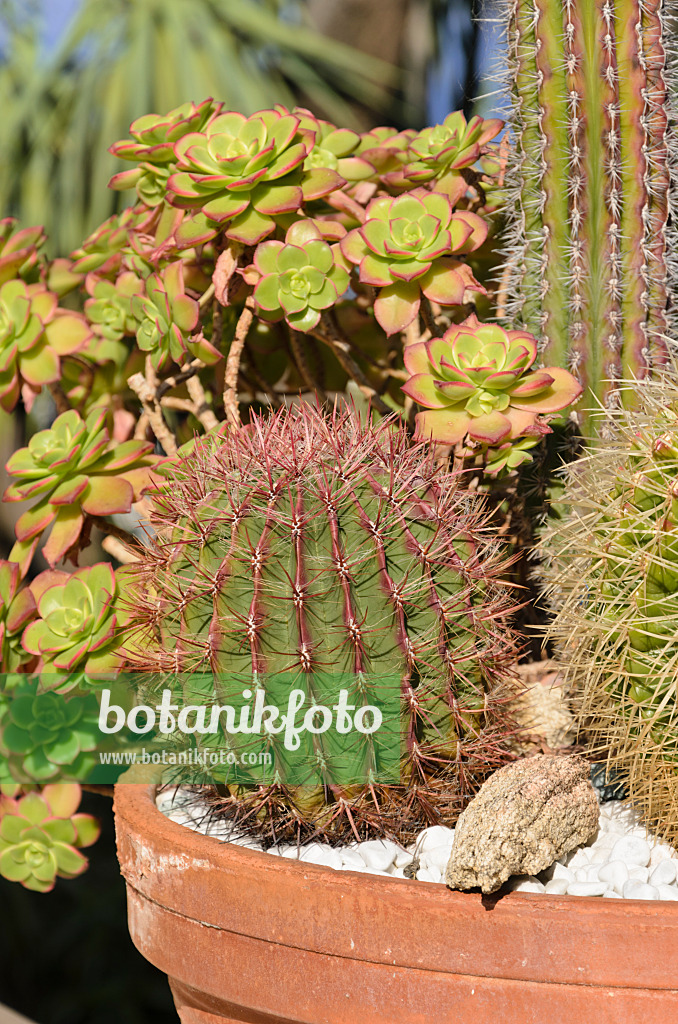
123 58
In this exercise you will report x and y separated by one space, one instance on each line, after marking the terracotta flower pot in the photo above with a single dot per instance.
247 937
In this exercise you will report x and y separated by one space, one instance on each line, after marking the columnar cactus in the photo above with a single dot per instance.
307 544
613 579
587 263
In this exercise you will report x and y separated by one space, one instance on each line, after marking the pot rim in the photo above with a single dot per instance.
133 803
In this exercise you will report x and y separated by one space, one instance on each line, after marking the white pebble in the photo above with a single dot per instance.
402 858
664 873
605 841
438 857
586 888
615 874
436 835
378 853
581 858
428 875
635 890
661 852
527 883
397 873
667 892
352 859
632 850
181 817
556 886
243 841
323 855
613 826
624 812
622 860
638 874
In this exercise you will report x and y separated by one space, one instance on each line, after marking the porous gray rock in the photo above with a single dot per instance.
527 815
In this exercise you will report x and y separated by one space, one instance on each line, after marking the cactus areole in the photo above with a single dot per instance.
305 544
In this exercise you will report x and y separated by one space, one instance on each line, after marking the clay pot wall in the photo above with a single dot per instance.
246 937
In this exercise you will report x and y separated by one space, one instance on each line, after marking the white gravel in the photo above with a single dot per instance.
623 861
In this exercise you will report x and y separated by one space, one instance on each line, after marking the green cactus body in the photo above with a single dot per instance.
310 546
590 181
612 572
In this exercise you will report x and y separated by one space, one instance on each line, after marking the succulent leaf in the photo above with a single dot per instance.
403 247
299 279
39 835
72 466
477 382
76 618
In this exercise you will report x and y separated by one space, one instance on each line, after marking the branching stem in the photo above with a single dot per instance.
145 387
233 363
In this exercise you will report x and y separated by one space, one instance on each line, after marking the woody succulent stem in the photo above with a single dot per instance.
233 364
589 250
145 388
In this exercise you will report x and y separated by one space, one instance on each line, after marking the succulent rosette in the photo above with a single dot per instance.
73 471
40 836
334 150
385 149
477 382
109 309
438 152
103 249
243 172
45 735
152 146
34 333
298 278
18 249
77 623
404 248
165 315
17 608
512 454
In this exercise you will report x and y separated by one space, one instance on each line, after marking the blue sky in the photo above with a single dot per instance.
57 14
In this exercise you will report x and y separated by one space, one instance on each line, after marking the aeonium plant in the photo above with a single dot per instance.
478 386
262 260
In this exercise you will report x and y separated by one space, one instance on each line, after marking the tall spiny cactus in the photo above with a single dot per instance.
306 544
587 260
611 567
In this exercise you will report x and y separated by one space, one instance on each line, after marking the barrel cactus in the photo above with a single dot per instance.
612 573
307 543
